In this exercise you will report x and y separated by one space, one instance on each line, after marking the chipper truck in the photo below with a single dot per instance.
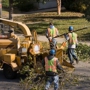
16 52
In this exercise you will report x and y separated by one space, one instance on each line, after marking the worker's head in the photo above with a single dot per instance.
52 52
51 25
70 28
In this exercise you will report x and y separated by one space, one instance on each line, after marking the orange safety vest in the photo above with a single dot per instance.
50 65
52 32
73 38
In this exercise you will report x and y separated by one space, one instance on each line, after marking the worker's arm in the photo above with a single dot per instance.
59 66
66 37
46 33
57 32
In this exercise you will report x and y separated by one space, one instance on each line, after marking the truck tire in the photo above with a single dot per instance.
8 72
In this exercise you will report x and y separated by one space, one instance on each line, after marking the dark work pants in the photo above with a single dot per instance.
53 43
72 55
51 79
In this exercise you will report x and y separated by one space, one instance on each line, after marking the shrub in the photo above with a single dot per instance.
25 5
79 5
83 52
87 13
5 3
76 5
67 3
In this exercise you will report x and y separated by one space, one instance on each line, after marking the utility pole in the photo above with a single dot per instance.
0 8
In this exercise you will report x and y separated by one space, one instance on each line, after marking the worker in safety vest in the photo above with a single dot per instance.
51 32
72 44
51 64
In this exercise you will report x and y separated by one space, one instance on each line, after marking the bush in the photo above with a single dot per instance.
25 5
67 3
79 5
76 5
83 52
5 3
87 13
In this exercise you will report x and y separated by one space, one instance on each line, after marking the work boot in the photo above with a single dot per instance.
77 61
71 62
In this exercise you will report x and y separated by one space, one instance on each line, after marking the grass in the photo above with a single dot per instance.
40 21
4 13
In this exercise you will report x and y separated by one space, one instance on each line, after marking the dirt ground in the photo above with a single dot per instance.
6 84
82 70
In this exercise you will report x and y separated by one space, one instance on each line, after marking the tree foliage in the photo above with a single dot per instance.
5 3
76 5
83 52
67 3
24 5
87 12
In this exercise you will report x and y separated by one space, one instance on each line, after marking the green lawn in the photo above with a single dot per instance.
40 21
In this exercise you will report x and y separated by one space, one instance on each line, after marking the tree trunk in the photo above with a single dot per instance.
58 7
0 8
10 9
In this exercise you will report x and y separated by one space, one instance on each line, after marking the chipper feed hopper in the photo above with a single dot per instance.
16 52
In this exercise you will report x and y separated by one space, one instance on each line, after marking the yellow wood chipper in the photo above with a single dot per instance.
16 52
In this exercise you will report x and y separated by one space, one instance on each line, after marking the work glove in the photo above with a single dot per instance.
66 36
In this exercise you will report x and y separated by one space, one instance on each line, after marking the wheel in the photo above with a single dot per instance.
8 72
